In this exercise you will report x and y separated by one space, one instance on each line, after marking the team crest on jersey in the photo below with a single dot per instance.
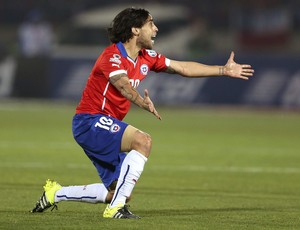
144 69
115 128
116 59
151 53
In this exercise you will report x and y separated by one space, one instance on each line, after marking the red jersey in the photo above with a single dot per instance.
100 96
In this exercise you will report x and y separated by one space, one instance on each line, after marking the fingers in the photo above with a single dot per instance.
244 78
247 70
146 93
154 111
245 66
150 105
156 114
231 56
247 74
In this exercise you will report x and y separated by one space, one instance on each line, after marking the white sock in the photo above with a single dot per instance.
92 193
131 170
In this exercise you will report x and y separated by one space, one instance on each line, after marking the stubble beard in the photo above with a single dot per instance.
145 44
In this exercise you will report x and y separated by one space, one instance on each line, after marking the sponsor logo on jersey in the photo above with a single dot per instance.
151 53
115 128
116 59
144 69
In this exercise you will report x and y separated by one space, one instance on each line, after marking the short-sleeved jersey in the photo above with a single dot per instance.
100 96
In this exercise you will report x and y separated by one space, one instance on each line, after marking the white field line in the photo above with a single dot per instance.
229 169
43 165
168 168
37 144
34 105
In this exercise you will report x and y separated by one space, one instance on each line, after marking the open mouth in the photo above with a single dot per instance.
153 38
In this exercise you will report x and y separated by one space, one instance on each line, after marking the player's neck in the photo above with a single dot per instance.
132 50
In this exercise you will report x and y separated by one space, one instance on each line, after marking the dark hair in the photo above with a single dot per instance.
120 30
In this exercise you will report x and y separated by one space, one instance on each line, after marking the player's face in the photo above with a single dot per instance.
147 34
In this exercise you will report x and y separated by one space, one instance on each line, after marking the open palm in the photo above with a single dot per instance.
235 70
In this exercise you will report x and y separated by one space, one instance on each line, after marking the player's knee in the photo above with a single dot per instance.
142 143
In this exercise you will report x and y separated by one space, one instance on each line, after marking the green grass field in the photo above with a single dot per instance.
209 169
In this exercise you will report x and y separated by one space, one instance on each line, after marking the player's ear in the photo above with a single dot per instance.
135 31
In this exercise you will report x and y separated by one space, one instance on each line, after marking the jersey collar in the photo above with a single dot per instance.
122 49
123 52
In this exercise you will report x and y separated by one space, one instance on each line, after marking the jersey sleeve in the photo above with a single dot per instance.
158 61
111 64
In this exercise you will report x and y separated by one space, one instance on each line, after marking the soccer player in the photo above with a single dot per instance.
111 88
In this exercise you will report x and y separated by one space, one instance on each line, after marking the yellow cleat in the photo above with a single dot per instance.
47 199
50 188
119 212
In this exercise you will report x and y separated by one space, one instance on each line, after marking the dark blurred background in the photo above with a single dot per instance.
47 48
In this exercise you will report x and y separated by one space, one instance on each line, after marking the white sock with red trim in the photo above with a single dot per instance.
131 170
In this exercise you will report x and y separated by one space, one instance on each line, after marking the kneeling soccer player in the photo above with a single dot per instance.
111 88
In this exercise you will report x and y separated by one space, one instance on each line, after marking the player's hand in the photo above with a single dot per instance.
235 70
150 105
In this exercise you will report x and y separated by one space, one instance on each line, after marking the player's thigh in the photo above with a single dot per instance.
127 138
134 138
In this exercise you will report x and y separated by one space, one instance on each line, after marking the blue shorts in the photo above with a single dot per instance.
100 137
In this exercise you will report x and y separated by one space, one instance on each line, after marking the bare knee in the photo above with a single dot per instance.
134 139
142 143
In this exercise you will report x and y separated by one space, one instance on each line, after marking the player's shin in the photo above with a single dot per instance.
131 170
92 193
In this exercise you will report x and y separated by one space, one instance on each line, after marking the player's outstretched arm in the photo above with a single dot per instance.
194 69
121 82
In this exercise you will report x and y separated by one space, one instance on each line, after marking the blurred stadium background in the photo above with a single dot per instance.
47 48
